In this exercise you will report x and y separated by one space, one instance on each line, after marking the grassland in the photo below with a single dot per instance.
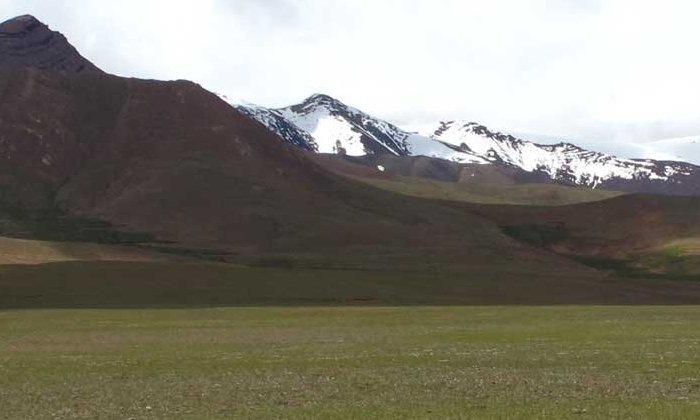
379 362
25 251
490 193
679 257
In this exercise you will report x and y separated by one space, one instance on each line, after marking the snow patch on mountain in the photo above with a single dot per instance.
563 161
332 133
419 145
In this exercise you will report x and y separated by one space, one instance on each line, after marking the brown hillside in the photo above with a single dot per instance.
172 160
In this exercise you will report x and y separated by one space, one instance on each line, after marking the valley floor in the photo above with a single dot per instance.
351 362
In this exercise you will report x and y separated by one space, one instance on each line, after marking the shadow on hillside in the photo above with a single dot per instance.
140 285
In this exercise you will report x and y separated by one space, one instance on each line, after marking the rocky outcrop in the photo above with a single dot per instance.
26 42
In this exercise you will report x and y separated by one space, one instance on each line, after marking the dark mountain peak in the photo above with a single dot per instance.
19 25
320 97
27 42
322 100
567 146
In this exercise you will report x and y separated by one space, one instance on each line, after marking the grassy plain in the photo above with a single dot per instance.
561 362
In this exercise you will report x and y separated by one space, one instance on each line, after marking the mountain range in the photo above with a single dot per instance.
326 125
175 163
170 167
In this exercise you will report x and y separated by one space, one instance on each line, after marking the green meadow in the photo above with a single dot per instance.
581 362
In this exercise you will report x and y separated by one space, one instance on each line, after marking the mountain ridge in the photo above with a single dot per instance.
472 143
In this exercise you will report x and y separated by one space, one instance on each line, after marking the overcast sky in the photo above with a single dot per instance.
605 73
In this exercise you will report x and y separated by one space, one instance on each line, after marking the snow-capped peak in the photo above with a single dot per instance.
322 100
338 128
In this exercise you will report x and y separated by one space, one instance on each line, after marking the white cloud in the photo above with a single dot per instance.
608 71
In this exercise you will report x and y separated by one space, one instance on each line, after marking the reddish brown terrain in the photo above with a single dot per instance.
173 161
85 155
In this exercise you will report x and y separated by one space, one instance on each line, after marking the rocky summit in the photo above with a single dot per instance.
26 42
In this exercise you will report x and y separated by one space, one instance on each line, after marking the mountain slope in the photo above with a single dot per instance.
441 180
421 176
174 161
634 235
278 124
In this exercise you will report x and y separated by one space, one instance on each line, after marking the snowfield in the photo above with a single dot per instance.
583 167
